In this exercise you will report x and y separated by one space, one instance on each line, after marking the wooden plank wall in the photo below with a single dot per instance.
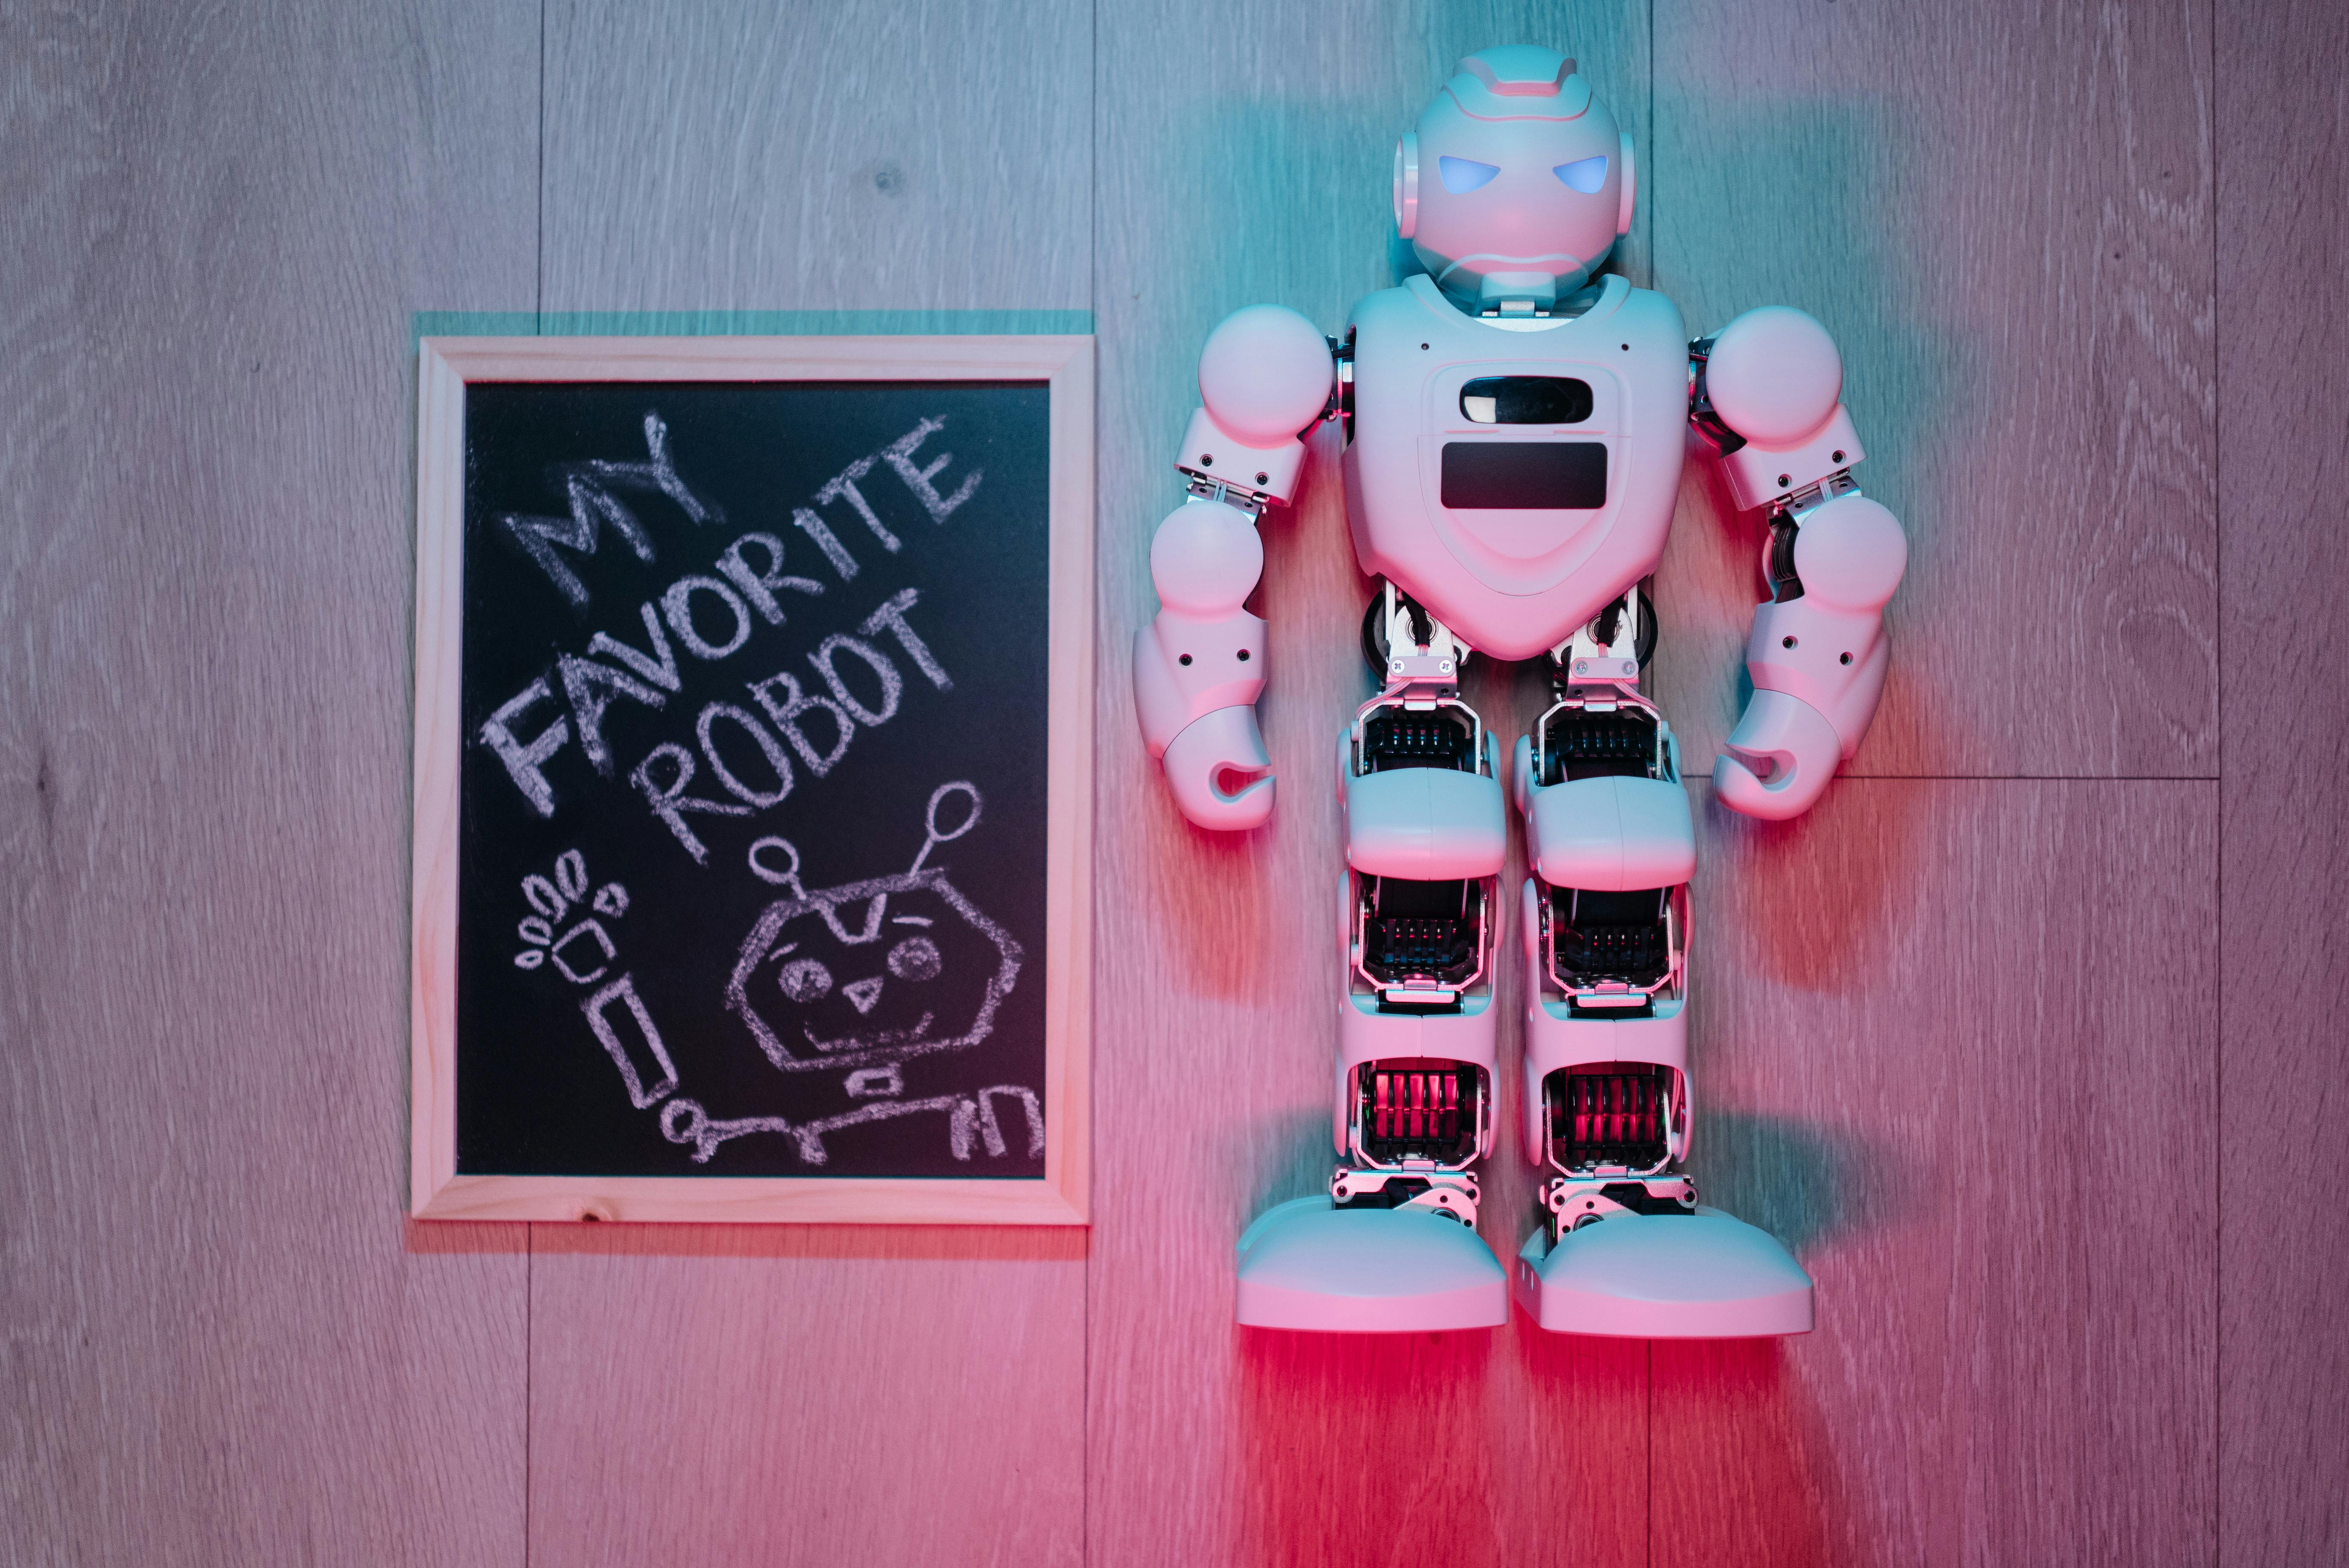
224 1342
731 1395
2023 1038
2284 337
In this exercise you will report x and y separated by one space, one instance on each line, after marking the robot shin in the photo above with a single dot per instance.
1419 786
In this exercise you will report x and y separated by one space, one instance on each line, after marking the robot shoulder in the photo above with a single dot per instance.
1385 310
1654 319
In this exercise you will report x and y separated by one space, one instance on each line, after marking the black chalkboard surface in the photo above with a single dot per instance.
754 906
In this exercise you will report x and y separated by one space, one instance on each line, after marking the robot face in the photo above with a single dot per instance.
873 972
1521 180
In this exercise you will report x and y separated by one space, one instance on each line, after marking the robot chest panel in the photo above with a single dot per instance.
1529 465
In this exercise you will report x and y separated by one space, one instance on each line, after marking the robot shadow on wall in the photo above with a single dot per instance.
1513 428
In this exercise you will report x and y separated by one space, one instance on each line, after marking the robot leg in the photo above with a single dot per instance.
1394 1246
1624 1249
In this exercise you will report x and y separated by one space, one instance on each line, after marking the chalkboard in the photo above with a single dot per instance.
753 678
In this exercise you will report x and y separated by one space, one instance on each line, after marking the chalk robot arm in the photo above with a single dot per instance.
1767 393
1266 377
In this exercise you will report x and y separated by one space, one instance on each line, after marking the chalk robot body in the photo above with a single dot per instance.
1514 431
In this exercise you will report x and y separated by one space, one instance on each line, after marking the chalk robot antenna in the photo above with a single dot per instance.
1512 427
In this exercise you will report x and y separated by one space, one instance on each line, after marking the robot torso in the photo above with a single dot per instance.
1514 475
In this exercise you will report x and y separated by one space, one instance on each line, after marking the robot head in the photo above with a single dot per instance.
1516 181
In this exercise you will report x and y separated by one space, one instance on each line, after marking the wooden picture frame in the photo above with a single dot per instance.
446 367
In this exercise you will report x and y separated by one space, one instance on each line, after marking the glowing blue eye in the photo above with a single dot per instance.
1461 175
1586 175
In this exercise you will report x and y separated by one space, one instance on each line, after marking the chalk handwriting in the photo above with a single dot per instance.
712 616
921 482
650 674
899 455
758 585
844 484
588 488
755 769
857 978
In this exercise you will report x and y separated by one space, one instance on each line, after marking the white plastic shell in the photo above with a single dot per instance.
1265 375
1817 662
1306 1264
1827 648
1218 772
1759 475
1515 229
1513 582
1774 376
1406 185
1212 454
1610 835
1680 1276
1187 666
1555 1037
1631 189
1428 824
1366 1035
1205 559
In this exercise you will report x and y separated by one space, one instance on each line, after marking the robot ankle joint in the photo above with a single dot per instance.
1414 1127
1573 1204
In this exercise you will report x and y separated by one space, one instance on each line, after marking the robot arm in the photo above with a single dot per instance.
1768 395
1265 378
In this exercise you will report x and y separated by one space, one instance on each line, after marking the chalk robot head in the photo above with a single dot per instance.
872 972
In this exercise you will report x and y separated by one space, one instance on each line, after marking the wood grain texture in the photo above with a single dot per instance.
1982 1100
883 1397
1954 1042
225 1345
724 1395
1243 157
2283 338
2003 214
851 155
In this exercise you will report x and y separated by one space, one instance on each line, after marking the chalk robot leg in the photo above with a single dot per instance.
1513 432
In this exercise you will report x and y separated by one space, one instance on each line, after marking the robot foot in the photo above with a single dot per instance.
1665 1276
1309 1264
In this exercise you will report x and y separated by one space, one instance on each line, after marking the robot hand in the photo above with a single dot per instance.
1198 667
1265 378
1769 396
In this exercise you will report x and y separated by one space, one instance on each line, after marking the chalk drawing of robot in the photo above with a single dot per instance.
860 979
583 955
869 974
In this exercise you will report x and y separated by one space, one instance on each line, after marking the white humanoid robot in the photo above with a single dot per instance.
1514 431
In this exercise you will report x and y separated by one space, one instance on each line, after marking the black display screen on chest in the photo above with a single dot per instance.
1522 476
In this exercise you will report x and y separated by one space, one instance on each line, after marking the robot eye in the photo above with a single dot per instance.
805 980
916 958
1586 175
1463 175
